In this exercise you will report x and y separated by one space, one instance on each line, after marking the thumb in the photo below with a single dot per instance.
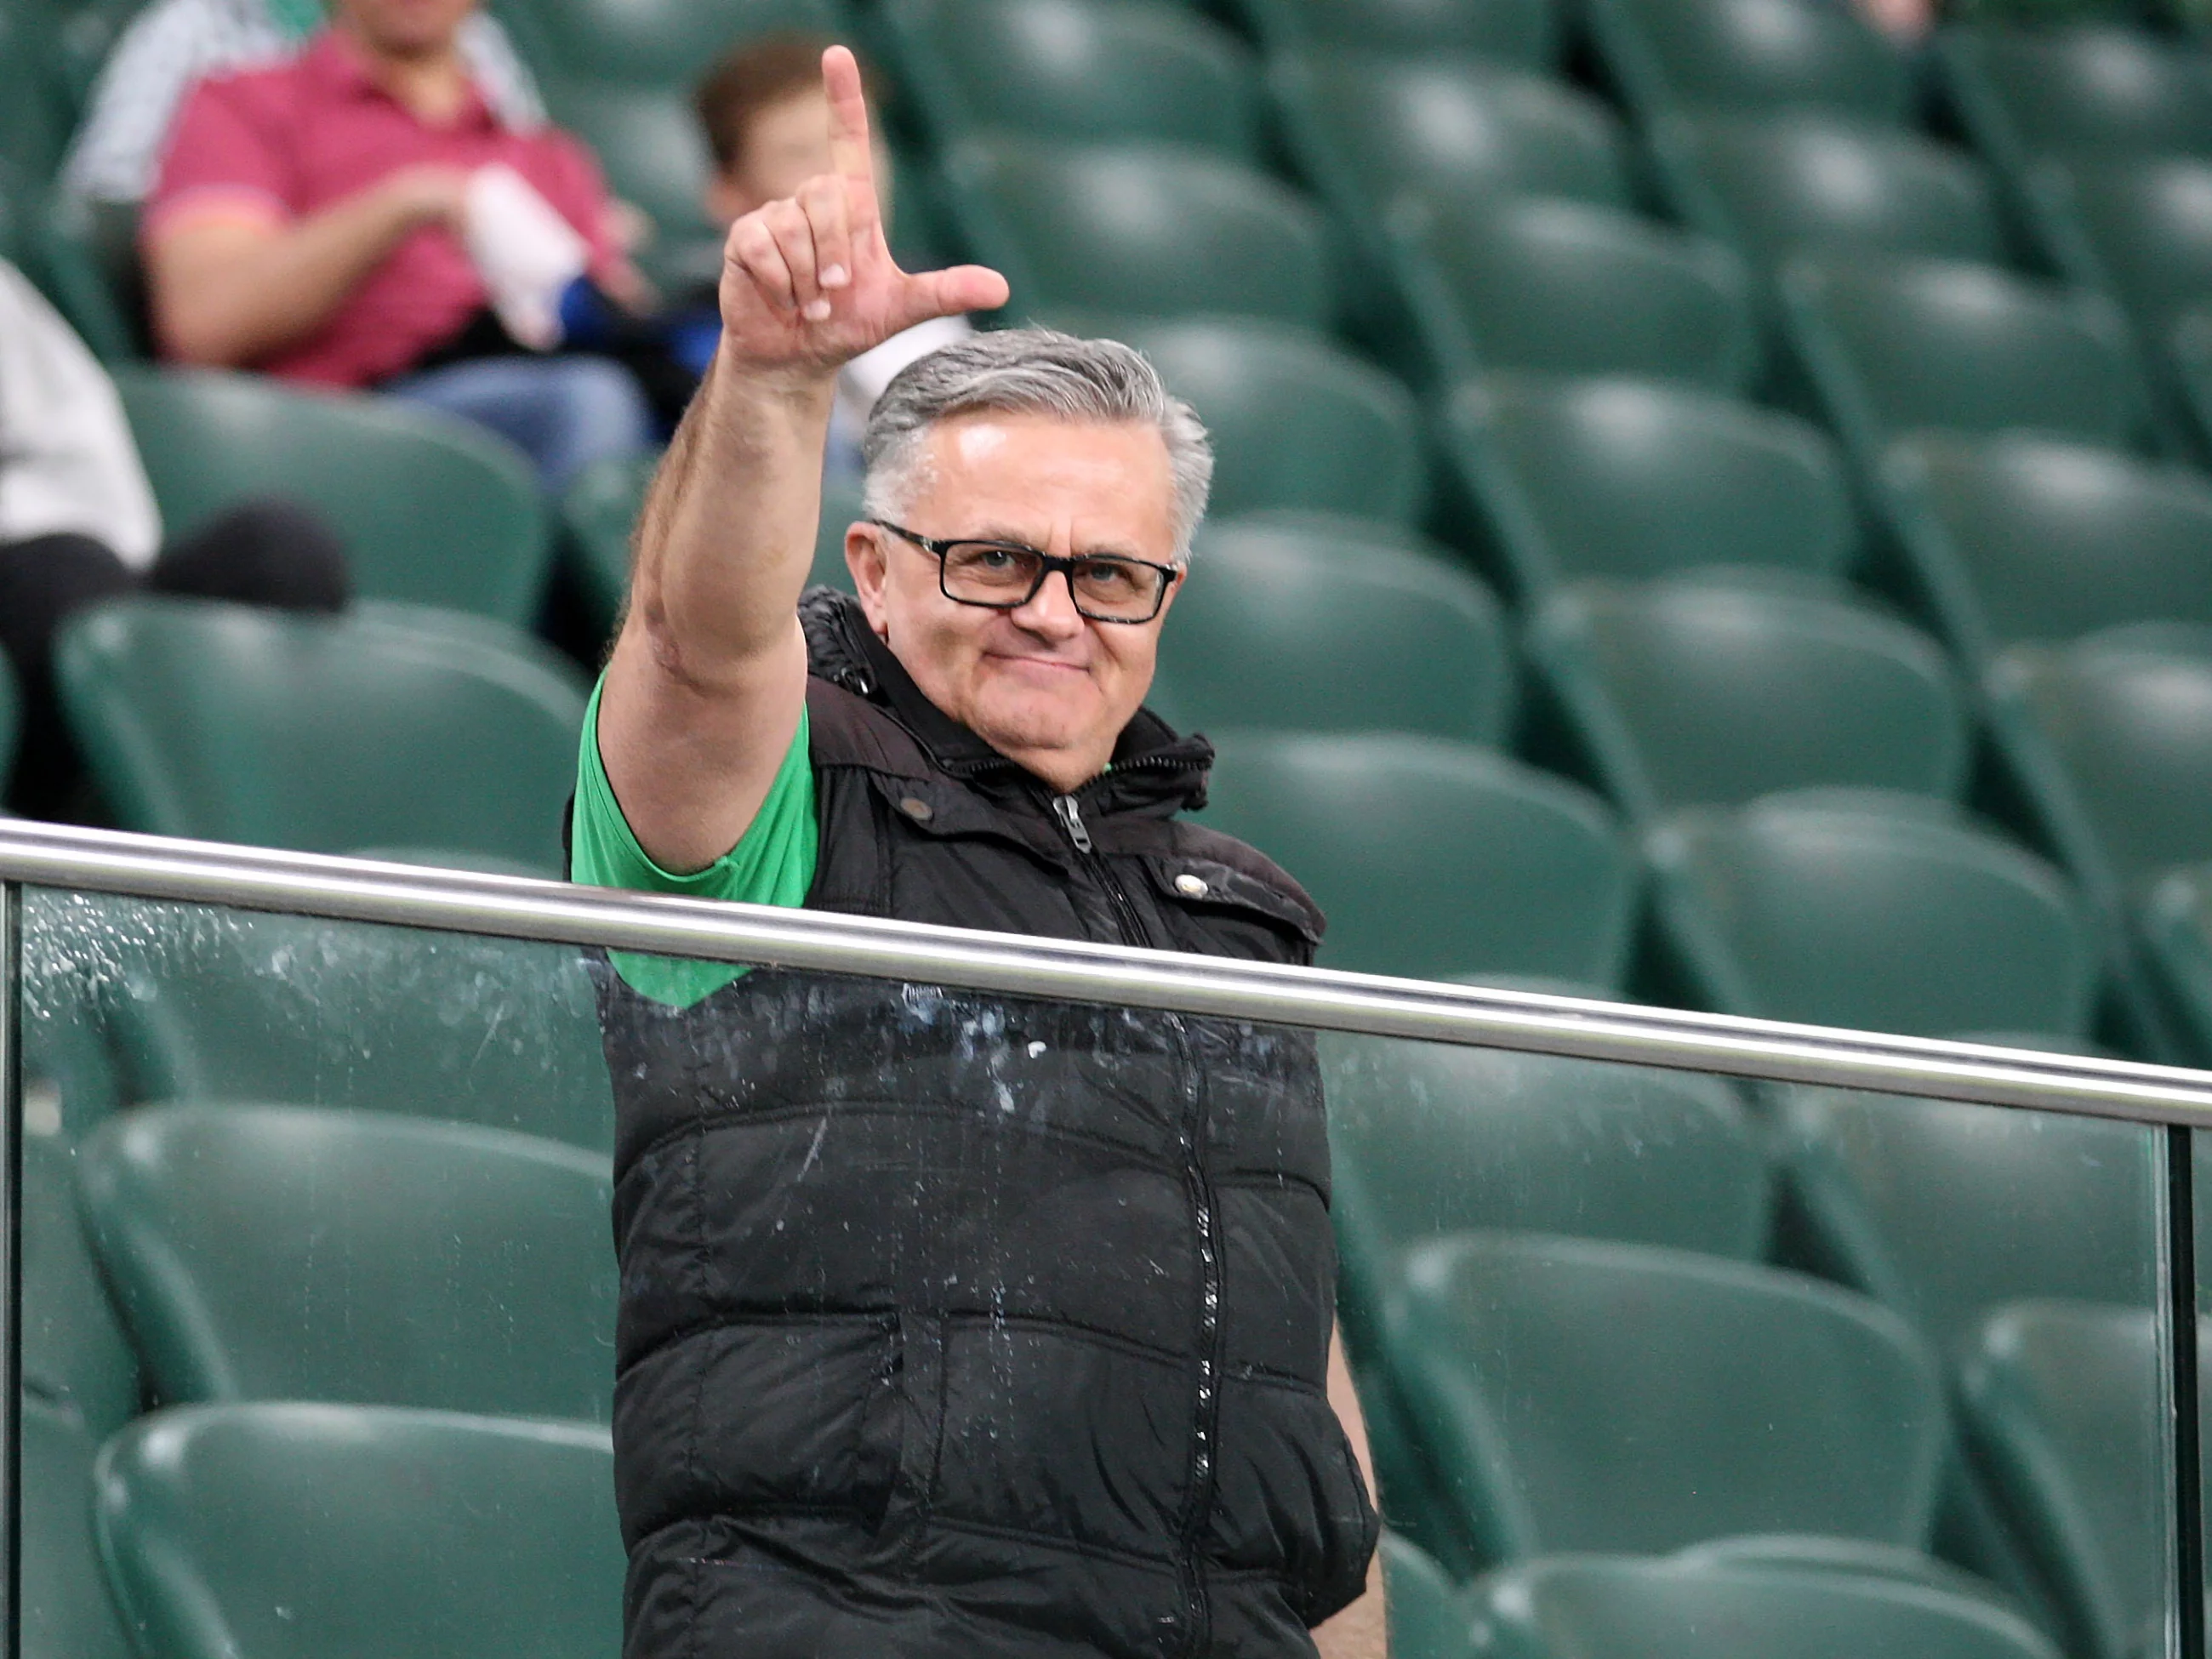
948 293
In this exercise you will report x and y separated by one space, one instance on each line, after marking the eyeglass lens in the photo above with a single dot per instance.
986 573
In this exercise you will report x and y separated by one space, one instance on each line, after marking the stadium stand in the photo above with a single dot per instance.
66 1612
281 1529
283 1253
2178 920
1527 33
1663 55
1387 639
1426 1615
76 1358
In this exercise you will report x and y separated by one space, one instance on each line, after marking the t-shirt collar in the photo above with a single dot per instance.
335 62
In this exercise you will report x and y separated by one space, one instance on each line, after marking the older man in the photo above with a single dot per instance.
952 1327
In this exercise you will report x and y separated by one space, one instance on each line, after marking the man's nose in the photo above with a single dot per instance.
1050 611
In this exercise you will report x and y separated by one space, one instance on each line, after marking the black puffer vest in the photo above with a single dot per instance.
956 1326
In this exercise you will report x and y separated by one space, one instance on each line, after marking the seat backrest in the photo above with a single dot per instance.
11 720
301 1531
1140 231
1775 184
1750 55
1687 692
1433 858
1602 1396
1384 639
75 1357
2018 538
2135 227
1631 479
2026 92
1802 908
1943 1211
283 1253
497 1032
1563 288
665 43
64 1610
2062 1407
1365 125
1558 1609
322 733
2177 922
647 142
1428 1139
2113 736
1296 423
1894 346
430 508
1427 1619
1528 34
1079 71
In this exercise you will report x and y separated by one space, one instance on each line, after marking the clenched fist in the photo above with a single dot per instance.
808 283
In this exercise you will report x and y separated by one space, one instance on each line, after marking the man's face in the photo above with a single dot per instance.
1042 684
786 144
405 28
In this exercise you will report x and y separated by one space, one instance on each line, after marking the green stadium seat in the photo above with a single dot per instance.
665 43
321 734
1427 1619
233 1006
1944 1211
2134 229
2022 95
1297 422
65 1613
283 1253
2189 365
1828 909
601 509
72 252
2018 539
1597 1397
34 112
298 1531
1527 33
1432 858
1774 186
11 722
648 143
431 508
2062 1407
1365 126
1694 691
1384 640
1079 72
1565 288
76 1357
1562 479
1575 1608
1139 231
1849 1559
1749 56
1891 347
2178 923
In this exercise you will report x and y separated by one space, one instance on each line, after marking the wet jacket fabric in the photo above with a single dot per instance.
955 1326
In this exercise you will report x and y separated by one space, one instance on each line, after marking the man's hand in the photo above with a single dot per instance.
808 282
428 194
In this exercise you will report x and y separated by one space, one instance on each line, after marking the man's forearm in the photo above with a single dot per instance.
232 294
728 527
1362 1631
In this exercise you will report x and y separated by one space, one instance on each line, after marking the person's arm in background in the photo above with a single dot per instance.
233 282
702 696
1362 1631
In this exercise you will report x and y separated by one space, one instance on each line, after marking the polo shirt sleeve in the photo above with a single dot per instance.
220 155
773 863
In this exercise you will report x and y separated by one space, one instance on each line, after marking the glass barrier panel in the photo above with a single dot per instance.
950 1321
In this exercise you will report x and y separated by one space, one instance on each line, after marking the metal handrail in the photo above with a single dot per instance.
354 890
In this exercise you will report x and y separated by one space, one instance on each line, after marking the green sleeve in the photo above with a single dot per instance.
772 864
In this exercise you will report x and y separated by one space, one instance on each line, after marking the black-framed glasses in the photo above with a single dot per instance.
1007 575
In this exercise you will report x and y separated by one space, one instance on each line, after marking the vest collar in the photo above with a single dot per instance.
1153 770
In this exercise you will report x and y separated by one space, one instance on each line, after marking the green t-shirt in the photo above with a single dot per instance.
773 864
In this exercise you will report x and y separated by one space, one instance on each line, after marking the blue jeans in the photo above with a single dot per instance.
563 412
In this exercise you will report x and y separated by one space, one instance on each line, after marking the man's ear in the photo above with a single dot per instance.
864 557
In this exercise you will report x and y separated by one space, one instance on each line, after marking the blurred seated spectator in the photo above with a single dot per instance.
767 125
78 524
174 44
362 216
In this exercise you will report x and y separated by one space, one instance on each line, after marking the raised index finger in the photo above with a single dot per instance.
850 153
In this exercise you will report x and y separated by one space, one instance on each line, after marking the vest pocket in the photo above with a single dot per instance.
914 1426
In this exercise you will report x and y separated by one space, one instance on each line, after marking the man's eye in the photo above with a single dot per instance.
995 559
1108 575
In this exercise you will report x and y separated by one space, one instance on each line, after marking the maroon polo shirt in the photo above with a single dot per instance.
287 141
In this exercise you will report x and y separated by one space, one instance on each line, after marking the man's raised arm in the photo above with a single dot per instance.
704 690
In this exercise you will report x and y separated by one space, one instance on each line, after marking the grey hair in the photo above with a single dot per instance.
1031 371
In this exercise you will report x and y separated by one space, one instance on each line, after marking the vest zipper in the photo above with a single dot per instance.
1206 1216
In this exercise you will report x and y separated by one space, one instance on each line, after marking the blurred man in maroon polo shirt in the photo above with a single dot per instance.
313 221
